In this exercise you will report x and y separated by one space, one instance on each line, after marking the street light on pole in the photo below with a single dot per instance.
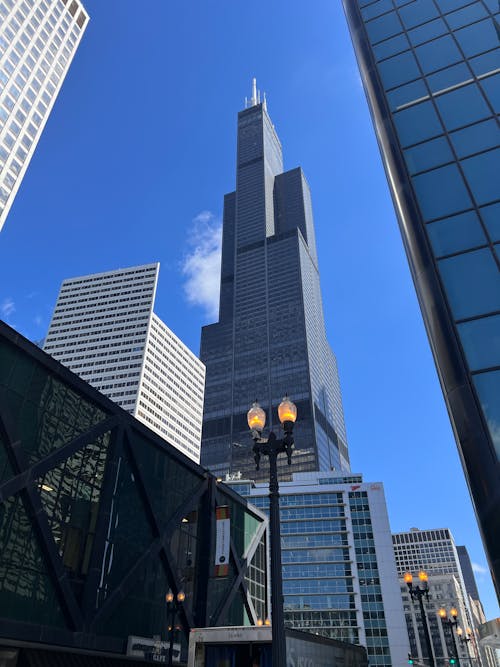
172 602
419 593
272 447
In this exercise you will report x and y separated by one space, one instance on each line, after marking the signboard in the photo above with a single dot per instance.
152 649
222 540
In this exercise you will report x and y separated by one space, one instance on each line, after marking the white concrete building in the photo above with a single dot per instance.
103 328
339 572
38 39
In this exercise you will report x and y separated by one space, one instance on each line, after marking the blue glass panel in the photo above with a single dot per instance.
399 69
476 138
488 62
472 283
450 76
418 12
488 389
376 9
427 31
417 123
449 5
405 94
391 46
438 54
492 6
491 86
478 37
429 154
481 342
383 27
456 234
462 106
441 192
491 218
496 247
466 15
483 175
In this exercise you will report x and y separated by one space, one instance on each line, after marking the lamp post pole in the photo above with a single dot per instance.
272 447
420 593
172 609
451 623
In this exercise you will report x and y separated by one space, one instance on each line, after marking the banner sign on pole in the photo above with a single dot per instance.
223 536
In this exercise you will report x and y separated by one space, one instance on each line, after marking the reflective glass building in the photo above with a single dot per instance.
431 71
270 338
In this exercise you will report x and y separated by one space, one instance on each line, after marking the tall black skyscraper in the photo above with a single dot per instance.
270 338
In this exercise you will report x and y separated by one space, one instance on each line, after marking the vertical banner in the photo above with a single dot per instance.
223 535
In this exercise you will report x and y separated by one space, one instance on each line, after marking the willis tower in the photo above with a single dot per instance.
270 339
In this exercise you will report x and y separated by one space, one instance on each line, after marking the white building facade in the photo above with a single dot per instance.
103 328
339 573
38 39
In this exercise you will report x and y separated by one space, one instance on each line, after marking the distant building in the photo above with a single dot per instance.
435 552
103 328
431 72
38 40
339 573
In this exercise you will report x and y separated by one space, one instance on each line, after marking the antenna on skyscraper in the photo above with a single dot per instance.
253 101
264 103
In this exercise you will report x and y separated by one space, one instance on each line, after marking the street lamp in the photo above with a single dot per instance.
419 593
271 447
451 623
172 603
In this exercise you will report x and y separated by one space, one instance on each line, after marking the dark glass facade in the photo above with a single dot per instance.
270 338
431 70
99 518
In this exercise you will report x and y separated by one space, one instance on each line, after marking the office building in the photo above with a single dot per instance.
339 573
99 519
430 69
435 552
103 328
270 338
38 39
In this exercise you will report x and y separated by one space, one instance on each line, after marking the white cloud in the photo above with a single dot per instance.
7 308
201 265
479 569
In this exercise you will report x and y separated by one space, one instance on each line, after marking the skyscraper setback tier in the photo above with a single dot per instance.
38 39
431 71
270 338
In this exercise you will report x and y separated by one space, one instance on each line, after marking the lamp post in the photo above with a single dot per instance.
172 602
419 593
451 623
272 447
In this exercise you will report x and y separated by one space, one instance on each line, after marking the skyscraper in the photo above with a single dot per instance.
38 39
431 71
103 328
270 338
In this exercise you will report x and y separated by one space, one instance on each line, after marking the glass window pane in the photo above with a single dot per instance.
438 54
483 174
481 342
429 154
376 9
488 389
451 76
427 31
383 27
488 62
491 86
418 12
466 15
491 218
472 283
456 234
417 123
405 94
399 69
478 37
462 106
476 138
391 46
441 192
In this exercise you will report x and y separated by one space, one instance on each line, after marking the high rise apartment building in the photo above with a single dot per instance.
339 573
103 328
431 71
270 338
38 39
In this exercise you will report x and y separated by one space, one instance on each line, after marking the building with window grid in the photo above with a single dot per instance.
38 39
339 574
103 328
431 72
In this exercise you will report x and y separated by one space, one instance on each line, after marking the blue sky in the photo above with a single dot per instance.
132 168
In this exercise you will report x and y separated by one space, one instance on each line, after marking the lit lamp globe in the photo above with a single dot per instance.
422 575
408 578
442 612
454 613
256 417
287 411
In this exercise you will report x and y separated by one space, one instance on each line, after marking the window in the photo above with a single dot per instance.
481 342
437 54
456 234
405 94
427 31
479 37
429 154
418 12
462 106
384 27
441 192
398 70
491 218
482 173
417 123
491 86
476 138
488 388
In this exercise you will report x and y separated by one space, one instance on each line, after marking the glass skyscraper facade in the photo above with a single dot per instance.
270 338
431 71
